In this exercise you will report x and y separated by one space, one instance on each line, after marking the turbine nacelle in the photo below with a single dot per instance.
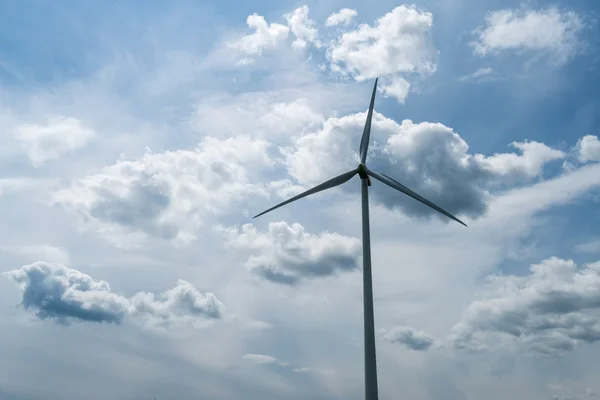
362 172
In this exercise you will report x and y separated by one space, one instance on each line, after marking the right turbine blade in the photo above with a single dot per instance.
398 186
338 180
364 141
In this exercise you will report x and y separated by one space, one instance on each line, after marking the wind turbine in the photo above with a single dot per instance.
371 391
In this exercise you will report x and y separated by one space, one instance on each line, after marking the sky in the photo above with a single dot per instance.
139 139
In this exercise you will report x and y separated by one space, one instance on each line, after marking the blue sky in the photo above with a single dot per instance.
140 137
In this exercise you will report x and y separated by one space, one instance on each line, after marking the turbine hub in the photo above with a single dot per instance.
362 171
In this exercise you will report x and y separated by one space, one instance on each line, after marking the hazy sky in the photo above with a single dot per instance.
140 137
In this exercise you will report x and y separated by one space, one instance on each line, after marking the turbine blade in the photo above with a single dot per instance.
338 180
364 141
400 187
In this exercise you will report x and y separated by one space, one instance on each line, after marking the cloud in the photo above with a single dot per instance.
167 195
287 254
342 17
263 359
588 148
302 27
549 30
430 158
480 75
65 295
262 115
58 137
409 337
265 36
399 44
396 48
552 310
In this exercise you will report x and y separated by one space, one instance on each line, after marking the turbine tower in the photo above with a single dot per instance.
371 391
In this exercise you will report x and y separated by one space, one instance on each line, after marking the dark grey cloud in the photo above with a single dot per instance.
67 295
287 254
552 310
409 337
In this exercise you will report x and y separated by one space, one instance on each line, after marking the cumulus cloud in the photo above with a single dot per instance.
409 337
265 36
55 291
167 195
286 254
552 310
302 27
430 158
342 17
399 44
588 148
50 141
548 30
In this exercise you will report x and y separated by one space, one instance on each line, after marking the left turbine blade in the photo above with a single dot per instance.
364 141
338 180
398 186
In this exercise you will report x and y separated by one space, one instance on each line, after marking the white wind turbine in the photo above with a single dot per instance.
371 391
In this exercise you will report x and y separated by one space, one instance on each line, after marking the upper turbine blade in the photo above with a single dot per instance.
338 180
398 186
364 141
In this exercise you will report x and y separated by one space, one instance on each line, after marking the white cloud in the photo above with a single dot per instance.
547 30
552 310
263 359
57 292
429 158
302 27
342 17
409 337
265 36
480 75
167 195
588 148
287 254
399 44
58 137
